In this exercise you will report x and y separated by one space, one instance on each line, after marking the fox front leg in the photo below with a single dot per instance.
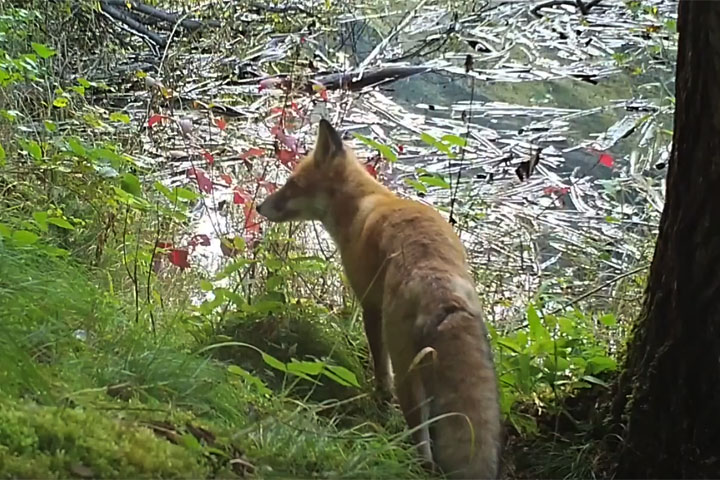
372 319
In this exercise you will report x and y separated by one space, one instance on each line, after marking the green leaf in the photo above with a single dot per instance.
250 378
273 362
32 148
50 126
61 222
120 117
509 344
185 194
60 102
344 374
608 320
24 237
429 139
115 159
416 185
41 219
84 82
435 181
2 156
43 50
131 184
77 147
595 380
537 331
232 268
308 368
384 150
5 231
454 140
601 364
205 286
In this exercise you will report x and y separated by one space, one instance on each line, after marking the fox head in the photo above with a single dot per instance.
309 192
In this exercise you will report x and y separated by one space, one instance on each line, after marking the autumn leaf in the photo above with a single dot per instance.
371 170
287 158
208 156
252 225
204 183
287 140
253 152
179 258
154 119
606 160
220 123
226 178
240 196
163 245
400 148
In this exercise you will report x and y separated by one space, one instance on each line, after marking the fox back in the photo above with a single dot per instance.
408 269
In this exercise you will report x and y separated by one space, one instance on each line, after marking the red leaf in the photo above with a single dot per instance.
324 94
164 245
287 140
241 197
204 183
208 156
553 189
287 158
401 148
226 178
220 123
606 160
276 110
252 225
371 170
253 152
157 118
179 258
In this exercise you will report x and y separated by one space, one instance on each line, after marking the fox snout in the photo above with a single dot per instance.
273 211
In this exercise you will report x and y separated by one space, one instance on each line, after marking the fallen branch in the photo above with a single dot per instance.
133 25
357 80
353 80
155 13
583 7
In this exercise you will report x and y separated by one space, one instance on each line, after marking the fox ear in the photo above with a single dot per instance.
329 145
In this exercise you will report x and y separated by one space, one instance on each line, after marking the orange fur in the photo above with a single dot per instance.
408 269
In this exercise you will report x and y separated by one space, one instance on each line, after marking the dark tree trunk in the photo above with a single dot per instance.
669 393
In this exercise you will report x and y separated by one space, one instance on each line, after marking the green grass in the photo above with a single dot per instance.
83 388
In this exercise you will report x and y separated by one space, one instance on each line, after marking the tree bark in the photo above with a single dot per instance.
669 393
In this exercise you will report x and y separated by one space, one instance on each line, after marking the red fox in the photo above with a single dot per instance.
408 269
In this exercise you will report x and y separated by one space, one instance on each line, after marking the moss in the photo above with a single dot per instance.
51 442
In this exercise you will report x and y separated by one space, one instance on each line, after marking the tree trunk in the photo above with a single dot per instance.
669 392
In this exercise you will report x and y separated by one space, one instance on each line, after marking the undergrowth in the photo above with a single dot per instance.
118 360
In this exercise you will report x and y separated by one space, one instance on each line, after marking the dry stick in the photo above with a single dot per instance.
132 25
468 117
188 23
381 46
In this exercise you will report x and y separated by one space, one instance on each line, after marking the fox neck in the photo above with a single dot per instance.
353 187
